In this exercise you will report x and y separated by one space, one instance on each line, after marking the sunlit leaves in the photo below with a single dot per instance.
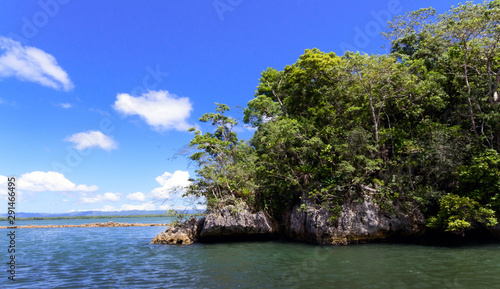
456 214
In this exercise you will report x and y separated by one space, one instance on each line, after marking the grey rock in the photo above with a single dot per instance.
237 222
361 221
358 222
183 234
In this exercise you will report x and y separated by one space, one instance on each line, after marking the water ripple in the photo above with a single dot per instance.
123 258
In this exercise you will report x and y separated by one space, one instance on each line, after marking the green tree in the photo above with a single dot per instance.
225 164
480 180
457 214
419 127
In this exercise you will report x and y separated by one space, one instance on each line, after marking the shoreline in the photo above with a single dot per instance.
98 217
91 225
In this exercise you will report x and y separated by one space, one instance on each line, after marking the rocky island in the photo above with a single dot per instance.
359 147
361 222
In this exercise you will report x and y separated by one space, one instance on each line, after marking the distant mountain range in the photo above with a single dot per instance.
96 213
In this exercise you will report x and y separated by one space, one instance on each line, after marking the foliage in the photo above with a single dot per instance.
178 217
456 214
480 179
419 127
225 164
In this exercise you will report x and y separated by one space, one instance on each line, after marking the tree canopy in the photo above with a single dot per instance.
419 127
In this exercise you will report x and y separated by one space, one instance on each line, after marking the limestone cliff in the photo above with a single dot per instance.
361 221
234 222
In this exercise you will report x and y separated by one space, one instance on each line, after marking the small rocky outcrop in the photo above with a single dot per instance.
182 234
358 222
237 222
230 223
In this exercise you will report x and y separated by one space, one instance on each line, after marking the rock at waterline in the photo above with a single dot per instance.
358 222
237 222
182 234
230 223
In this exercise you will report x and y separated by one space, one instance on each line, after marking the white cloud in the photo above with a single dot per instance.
183 207
144 206
91 138
50 182
160 109
65 105
125 207
136 197
4 192
31 64
106 208
3 185
171 183
112 197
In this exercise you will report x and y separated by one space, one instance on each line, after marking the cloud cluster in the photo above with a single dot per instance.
171 184
111 197
31 64
3 185
136 197
160 109
50 182
126 207
145 207
91 138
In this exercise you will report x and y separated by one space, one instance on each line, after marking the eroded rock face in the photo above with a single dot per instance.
237 222
361 221
358 222
184 234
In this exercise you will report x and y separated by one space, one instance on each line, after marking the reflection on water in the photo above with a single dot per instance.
122 257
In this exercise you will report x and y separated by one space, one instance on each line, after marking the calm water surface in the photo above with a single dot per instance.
148 220
123 258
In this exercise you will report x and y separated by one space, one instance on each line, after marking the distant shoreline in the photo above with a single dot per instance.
98 217
92 225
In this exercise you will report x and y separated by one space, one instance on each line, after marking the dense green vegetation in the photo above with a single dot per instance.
418 128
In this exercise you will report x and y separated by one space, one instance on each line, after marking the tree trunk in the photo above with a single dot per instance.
469 101
375 122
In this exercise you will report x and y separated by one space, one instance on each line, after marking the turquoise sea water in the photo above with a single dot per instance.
123 258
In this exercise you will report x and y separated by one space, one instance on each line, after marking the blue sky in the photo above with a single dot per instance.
96 96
